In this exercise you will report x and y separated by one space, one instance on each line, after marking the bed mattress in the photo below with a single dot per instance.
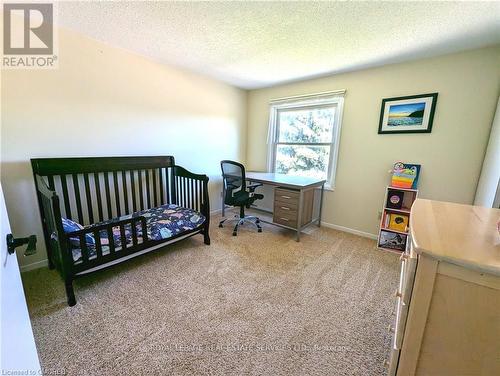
162 222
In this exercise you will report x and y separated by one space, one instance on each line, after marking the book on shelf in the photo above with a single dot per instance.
392 240
398 222
394 199
405 175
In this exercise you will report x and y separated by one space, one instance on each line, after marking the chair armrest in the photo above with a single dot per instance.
252 187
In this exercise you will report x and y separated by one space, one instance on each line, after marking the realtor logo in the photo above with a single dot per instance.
28 36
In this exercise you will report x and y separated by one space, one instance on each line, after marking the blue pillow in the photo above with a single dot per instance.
70 226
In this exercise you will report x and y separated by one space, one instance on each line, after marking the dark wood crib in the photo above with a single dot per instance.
92 190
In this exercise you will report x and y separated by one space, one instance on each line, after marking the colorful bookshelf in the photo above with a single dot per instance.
398 200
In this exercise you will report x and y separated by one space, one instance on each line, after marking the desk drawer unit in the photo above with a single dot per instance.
286 207
286 204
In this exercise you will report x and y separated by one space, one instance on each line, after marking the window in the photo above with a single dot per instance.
304 136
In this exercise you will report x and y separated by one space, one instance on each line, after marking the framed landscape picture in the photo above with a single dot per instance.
412 114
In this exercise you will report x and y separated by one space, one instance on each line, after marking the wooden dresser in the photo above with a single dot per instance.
447 316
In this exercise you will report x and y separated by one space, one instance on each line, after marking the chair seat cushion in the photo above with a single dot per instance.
162 222
243 198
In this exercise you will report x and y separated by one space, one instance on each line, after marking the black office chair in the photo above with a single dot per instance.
237 193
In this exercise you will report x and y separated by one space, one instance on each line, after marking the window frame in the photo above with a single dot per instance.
274 123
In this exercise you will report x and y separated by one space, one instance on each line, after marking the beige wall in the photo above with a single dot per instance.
451 156
106 101
488 188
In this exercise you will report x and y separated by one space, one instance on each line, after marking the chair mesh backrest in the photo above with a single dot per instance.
233 176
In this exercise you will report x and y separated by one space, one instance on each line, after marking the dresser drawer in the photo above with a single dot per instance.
392 364
400 324
408 269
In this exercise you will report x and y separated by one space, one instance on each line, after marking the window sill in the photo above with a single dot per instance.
327 188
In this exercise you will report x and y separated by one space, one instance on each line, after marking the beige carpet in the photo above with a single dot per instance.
256 304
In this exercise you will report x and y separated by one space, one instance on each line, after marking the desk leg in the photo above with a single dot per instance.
321 204
299 215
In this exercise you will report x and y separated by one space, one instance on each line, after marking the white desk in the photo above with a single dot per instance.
300 187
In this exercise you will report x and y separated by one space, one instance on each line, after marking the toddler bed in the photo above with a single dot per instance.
99 211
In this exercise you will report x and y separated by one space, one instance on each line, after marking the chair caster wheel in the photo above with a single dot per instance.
234 233
259 230
220 225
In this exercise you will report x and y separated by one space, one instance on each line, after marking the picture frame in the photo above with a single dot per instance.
410 114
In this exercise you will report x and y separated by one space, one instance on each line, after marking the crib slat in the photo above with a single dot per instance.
178 191
83 248
141 193
173 192
144 230
98 246
192 204
132 183
77 198
117 194
184 192
108 195
97 184
148 190
67 207
125 194
88 198
50 178
180 196
123 236
134 232
160 171
181 191
195 195
201 196
155 191
111 239
198 201
168 190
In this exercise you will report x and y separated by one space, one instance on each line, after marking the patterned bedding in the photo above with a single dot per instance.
162 222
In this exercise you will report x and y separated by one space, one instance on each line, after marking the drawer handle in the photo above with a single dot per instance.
285 208
285 219
287 197
398 294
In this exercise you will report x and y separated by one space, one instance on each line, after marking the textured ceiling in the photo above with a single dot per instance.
258 44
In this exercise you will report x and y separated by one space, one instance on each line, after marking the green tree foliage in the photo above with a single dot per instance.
299 127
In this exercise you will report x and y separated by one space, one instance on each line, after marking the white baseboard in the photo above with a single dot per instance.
34 265
350 230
